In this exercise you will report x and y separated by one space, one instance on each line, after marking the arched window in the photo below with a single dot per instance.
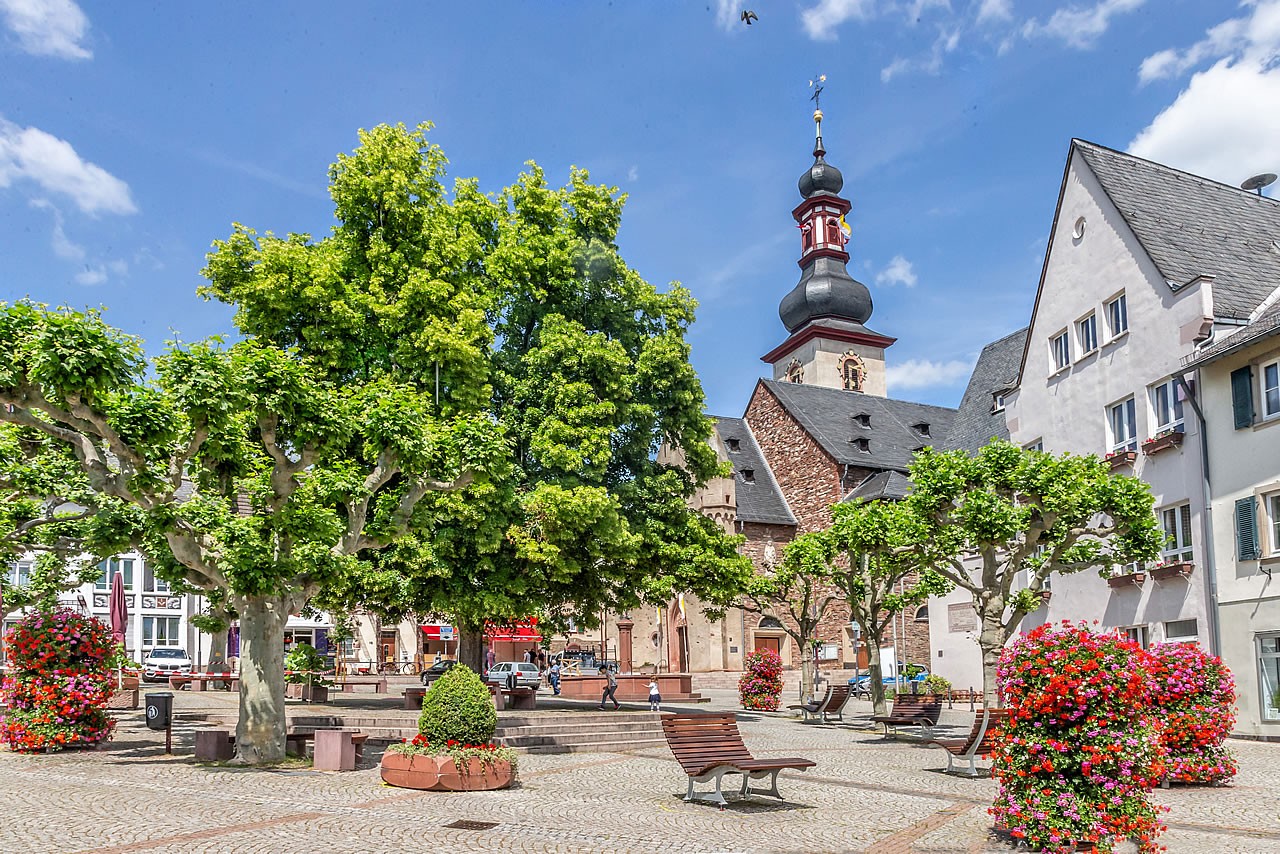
795 372
770 623
922 614
852 371
834 237
806 236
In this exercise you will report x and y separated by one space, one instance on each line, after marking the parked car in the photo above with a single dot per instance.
526 674
861 685
165 661
436 670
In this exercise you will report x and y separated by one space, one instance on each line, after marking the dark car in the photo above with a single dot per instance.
437 670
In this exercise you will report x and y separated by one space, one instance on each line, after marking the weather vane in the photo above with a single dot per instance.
816 85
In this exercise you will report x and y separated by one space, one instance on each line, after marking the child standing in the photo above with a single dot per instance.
655 699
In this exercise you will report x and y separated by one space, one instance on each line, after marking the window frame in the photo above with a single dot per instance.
1060 361
112 566
1183 549
1173 403
1268 713
1270 502
1141 635
1130 443
1117 321
1088 343
1193 637
151 621
18 573
1269 413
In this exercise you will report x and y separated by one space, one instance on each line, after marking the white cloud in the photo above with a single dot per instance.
633 174
899 272
33 155
924 373
946 42
1080 27
100 273
48 27
995 10
62 245
1221 125
728 15
821 21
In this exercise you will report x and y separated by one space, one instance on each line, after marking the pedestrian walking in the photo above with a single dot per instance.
489 659
655 699
527 657
553 677
610 686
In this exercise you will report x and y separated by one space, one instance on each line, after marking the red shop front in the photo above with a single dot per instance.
510 641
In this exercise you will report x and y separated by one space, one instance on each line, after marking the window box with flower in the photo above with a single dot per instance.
1127 579
1120 459
1163 440
1171 570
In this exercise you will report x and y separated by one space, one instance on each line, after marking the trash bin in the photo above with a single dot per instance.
159 710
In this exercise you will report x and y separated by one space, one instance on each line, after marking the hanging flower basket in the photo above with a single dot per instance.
1120 459
1162 442
1170 571
1132 579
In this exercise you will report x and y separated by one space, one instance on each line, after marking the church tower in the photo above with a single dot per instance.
828 343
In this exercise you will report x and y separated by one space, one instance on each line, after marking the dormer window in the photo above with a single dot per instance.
862 444
922 428
733 443
749 475
862 419
997 402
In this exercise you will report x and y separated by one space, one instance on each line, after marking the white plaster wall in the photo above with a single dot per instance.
821 360
955 655
1067 410
1242 463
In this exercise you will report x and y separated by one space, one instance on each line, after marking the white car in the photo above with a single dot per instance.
165 661
527 675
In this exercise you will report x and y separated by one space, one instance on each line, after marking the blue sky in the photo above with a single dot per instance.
132 135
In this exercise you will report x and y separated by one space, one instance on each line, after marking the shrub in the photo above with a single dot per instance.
935 684
59 682
1080 753
304 666
760 687
1194 704
458 708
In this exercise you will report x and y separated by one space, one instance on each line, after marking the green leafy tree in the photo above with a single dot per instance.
1011 517
799 594
244 471
582 366
870 555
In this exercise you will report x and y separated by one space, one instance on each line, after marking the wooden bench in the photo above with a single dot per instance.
920 710
832 705
200 681
980 742
709 746
379 686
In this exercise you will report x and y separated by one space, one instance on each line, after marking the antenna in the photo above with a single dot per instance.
1257 182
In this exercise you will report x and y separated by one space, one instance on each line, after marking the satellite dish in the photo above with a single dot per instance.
1257 182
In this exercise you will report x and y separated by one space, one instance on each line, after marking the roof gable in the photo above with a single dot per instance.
996 370
758 499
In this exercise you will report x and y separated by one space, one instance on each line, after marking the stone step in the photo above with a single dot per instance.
573 730
595 737
625 746
587 718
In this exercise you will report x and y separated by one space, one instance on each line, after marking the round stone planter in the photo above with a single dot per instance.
441 774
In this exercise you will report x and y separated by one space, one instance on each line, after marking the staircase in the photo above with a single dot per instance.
581 732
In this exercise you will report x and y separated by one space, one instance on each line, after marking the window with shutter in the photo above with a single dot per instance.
1242 396
1246 530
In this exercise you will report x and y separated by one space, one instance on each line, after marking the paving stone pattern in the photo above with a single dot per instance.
867 794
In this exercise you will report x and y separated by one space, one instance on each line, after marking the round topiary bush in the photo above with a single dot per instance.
59 682
1080 752
458 707
1194 701
760 687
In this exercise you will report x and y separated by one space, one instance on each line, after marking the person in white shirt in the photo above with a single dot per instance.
655 699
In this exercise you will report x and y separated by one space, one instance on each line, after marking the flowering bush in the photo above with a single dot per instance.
459 752
1079 753
59 684
1194 705
760 686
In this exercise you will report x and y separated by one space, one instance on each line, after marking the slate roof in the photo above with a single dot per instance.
829 416
1266 325
996 370
883 485
1191 226
759 500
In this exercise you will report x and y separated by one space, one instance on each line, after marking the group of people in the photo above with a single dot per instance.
551 668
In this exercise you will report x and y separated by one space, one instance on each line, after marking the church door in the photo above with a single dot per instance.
774 644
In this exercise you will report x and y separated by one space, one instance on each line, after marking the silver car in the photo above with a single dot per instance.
527 675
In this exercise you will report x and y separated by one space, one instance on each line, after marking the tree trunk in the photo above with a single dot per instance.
991 642
471 647
806 671
875 673
260 731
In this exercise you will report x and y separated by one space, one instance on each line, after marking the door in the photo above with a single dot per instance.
765 642
388 645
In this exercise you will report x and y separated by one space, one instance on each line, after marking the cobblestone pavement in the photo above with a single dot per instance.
867 794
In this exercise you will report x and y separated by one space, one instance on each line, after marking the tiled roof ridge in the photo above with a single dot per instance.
768 468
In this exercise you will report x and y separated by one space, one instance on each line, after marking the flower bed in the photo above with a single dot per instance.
59 685
1194 702
1080 753
760 686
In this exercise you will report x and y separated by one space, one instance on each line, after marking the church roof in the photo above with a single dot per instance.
759 499
975 423
1191 227
881 486
846 422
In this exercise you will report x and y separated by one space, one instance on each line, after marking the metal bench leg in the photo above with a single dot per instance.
718 796
973 766
772 791
689 796
948 768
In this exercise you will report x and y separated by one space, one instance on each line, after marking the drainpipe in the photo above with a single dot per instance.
1206 520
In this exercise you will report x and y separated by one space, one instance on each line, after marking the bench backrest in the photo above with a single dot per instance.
838 696
699 739
995 718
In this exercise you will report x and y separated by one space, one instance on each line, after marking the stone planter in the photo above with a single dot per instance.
1133 579
306 693
1121 459
1160 443
1170 571
441 774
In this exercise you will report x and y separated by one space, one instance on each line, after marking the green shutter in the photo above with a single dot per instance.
1246 530
1242 396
